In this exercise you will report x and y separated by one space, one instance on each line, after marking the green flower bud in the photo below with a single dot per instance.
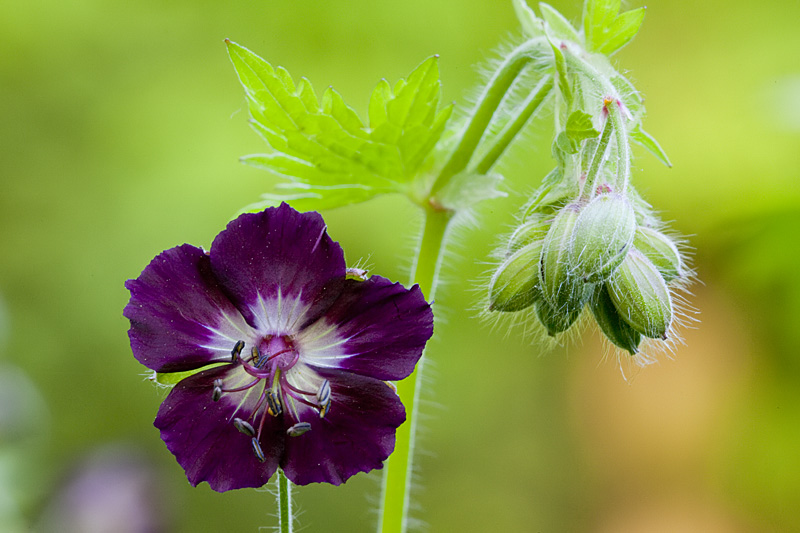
533 229
514 285
563 291
603 235
556 320
641 296
611 324
661 251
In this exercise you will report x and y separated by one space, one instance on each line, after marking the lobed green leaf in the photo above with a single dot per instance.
325 146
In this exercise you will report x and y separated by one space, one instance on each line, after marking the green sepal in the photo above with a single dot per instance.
615 329
642 138
640 296
466 189
558 25
602 237
661 251
170 379
514 286
534 228
532 25
560 287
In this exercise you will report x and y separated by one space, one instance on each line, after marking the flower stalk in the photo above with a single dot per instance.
285 518
398 468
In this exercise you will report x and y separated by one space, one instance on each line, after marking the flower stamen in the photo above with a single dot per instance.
298 429
259 453
244 427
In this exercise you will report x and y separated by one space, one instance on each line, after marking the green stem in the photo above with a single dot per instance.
488 103
285 518
623 145
504 139
398 468
597 160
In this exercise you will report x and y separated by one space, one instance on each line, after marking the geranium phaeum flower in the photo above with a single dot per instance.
297 353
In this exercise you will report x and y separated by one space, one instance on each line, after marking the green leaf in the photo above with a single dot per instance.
559 26
622 31
325 146
578 128
467 189
532 26
641 137
598 17
315 199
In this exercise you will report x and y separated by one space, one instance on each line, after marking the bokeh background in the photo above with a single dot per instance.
121 125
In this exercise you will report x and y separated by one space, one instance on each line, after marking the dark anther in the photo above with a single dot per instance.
255 356
257 450
237 350
298 429
216 394
324 398
244 427
274 405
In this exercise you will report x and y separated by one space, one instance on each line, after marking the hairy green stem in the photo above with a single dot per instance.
285 518
488 103
597 160
623 145
531 105
398 468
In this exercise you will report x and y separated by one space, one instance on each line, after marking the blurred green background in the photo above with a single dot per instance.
121 127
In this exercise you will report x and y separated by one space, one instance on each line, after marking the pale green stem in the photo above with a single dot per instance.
285 518
531 105
597 160
398 468
623 146
614 118
425 271
488 103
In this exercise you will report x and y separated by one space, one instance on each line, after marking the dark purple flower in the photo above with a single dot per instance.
297 354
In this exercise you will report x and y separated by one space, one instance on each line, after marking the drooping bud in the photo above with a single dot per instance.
560 288
557 320
640 296
514 284
617 330
533 229
661 251
602 237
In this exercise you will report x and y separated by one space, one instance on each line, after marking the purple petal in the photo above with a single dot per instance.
280 267
180 317
201 435
356 435
375 328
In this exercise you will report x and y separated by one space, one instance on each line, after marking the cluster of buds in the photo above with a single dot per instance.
604 253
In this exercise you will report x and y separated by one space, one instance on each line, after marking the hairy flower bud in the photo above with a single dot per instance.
514 285
533 229
640 295
563 292
616 330
556 320
602 237
661 251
